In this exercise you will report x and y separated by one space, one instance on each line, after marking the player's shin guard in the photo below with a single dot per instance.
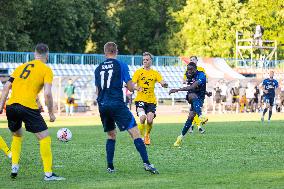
16 148
141 148
110 147
4 147
141 128
269 114
46 154
186 126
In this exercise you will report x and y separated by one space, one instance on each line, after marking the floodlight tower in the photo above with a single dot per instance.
253 44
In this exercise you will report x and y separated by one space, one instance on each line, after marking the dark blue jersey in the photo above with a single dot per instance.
270 85
109 78
200 77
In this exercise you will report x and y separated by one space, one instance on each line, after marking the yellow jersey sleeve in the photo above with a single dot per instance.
201 69
136 76
159 77
48 77
16 72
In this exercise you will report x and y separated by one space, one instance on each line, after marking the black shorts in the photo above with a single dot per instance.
235 100
70 100
116 114
16 114
147 107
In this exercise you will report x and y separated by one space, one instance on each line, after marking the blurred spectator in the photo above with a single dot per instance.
235 92
69 91
282 96
224 89
256 98
243 103
217 98
250 97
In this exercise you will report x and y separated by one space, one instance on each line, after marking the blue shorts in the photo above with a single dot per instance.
199 105
116 114
269 100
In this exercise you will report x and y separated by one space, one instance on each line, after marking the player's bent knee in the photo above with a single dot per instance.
134 133
111 134
41 135
142 116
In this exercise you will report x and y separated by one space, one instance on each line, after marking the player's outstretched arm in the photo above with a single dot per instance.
130 86
5 92
49 101
164 84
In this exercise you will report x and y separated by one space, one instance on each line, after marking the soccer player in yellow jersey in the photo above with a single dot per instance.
26 82
198 121
145 101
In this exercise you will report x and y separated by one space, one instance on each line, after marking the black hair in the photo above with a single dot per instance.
41 48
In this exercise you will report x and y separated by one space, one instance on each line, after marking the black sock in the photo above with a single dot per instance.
110 147
141 148
269 114
186 126
264 111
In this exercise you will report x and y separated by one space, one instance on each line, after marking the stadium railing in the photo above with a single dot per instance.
134 60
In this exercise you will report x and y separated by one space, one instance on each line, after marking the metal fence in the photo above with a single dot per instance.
68 58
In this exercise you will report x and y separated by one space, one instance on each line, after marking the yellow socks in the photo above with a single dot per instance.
197 120
148 128
46 154
141 128
16 148
4 147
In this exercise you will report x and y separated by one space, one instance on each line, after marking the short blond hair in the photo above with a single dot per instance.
110 48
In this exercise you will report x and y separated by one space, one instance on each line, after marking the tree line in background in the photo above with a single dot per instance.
162 27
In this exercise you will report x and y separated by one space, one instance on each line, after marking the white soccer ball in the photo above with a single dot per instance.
64 135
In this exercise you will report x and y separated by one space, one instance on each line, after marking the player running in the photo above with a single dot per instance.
269 86
26 82
109 78
145 79
196 95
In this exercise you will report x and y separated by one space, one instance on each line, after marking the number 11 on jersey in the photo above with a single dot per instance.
102 73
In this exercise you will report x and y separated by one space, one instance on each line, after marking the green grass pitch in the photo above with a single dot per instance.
230 155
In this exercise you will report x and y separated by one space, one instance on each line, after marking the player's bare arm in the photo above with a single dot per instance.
49 101
39 104
130 86
164 84
5 92
187 88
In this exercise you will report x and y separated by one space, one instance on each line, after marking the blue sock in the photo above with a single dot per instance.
196 106
269 114
141 148
110 147
264 111
186 126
